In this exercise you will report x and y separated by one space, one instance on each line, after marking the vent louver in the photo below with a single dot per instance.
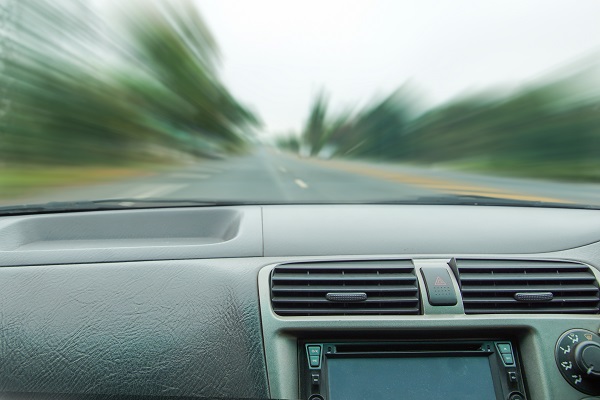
512 286
345 288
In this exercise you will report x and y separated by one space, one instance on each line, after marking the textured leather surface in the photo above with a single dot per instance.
179 328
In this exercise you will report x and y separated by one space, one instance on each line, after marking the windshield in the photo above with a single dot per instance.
268 101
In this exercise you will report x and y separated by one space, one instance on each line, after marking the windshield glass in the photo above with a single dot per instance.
270 101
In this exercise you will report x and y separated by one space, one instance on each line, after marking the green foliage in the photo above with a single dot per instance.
290 142
68 105
541 130
374 132
550 129
316 132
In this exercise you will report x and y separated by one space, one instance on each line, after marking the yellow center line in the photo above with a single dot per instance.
442 185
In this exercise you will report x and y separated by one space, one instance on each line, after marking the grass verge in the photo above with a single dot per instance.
19 181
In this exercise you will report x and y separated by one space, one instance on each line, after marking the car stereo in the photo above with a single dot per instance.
478 370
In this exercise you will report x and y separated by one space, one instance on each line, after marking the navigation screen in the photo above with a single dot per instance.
423 378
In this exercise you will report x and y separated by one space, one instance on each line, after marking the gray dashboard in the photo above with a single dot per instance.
176 301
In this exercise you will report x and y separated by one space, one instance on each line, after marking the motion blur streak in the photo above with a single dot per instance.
549 128
80 89
128 95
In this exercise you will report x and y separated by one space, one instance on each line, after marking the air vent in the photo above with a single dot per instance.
503 286
345 288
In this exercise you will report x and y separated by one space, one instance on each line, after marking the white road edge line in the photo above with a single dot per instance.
160 190
301 183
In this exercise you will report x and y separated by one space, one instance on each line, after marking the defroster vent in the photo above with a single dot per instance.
345 288
513 286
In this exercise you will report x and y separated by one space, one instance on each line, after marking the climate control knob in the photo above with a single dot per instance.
587 357
578 359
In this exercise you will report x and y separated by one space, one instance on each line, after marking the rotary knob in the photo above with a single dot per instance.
587 357
578 359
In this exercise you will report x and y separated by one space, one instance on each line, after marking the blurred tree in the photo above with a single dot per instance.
315 131
547 129
375 131
83 94
288 142
176 48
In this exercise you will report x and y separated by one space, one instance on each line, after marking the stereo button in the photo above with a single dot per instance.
508 359
314 350
504 348
315 361
315 378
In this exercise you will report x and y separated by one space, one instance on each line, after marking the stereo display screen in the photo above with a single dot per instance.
419 378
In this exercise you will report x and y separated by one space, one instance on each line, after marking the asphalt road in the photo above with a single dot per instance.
268 175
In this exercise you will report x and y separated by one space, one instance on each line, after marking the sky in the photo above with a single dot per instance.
278 54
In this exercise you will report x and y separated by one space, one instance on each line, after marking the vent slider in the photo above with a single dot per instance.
534 297
346 297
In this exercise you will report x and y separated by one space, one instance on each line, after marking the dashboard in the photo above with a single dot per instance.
303 302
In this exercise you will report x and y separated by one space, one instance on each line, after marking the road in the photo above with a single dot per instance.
268 175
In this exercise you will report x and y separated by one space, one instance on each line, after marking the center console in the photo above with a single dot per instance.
431 329
419 370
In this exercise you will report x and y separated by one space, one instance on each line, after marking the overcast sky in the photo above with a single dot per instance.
277 53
